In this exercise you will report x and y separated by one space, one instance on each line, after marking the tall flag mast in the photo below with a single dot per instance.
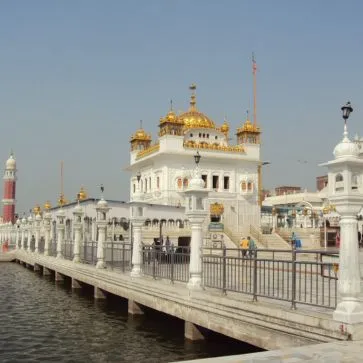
254 71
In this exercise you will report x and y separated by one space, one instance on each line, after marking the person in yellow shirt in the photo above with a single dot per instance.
244 245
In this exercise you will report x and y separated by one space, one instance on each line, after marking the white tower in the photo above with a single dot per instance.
345 188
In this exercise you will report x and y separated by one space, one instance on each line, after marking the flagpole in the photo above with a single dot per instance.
254 69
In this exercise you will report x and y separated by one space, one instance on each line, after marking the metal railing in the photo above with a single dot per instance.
67 250
118 255
304 278
88 252
166 262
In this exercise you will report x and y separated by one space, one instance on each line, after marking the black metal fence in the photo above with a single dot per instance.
67 250
118 255
88 252
166 262
304 278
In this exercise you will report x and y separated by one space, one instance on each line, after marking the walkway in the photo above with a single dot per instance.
267 323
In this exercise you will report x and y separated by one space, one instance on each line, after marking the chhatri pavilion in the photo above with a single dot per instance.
162 169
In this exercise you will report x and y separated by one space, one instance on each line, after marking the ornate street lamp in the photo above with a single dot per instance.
197 158
346 110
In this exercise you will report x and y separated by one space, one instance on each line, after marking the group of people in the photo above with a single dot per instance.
248 246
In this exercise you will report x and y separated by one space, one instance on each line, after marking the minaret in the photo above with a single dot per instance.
9 190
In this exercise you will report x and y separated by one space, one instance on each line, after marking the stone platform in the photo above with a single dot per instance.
337 352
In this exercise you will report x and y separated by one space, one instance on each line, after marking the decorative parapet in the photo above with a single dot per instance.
214 147
150 150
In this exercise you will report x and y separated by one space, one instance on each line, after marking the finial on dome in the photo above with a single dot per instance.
193 101
171 105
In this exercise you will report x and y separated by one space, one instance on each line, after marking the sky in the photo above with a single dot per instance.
76 76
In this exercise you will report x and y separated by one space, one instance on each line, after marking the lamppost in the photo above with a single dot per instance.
77 223
196 211
137 217
348 199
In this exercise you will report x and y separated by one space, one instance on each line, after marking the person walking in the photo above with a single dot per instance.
244 245
293 240
251 247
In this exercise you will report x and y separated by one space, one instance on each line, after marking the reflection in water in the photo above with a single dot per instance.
44 321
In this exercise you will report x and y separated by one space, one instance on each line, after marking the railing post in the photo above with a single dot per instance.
123 256
224 271
171 249
293 282
112 245
255 274
154 260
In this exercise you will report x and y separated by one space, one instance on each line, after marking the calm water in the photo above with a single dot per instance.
41 321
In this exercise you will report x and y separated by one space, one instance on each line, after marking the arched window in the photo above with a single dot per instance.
185 183
180 183
134 187
157 182
145 185
249 186
150 183
339 178
244 186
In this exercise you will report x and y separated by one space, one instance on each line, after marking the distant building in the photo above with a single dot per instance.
321 182
9 190
287 189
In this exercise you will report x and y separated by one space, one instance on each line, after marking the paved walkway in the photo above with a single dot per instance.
337 352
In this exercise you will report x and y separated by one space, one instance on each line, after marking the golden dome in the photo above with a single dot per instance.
216 209
225 127
140 134
326 210
47 205
62 200
82 195
37 209
248 126
193 118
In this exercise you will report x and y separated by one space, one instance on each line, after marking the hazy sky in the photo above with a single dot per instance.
76 76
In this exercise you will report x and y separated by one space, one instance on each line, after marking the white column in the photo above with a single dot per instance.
17 236
274 220
101 244
22 241
305 221
195 265
136 247
29 235
37 232
47 227
350 308
77 240
60 238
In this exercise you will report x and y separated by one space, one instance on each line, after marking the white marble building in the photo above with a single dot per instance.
163 169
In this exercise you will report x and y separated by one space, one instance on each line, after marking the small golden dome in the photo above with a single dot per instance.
216 209
62 200
37 209
326 210
82 195
47 205
141 135
225 127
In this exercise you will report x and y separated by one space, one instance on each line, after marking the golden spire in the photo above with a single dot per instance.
193 102
47 205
